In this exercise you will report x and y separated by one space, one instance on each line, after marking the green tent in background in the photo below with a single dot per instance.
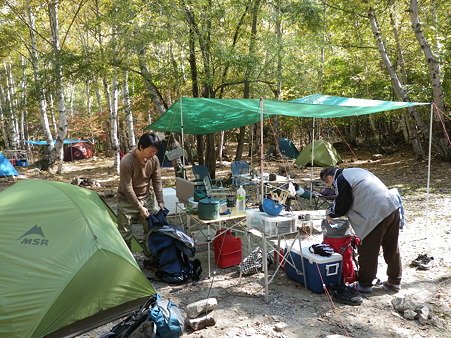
325 155
64 267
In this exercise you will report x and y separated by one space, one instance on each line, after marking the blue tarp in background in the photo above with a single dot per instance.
66 141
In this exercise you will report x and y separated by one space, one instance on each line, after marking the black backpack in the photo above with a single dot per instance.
173 249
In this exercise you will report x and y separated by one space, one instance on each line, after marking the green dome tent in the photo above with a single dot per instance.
62 262
325 155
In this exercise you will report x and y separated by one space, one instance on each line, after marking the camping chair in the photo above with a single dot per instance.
321 200
219 193
239 170
200 171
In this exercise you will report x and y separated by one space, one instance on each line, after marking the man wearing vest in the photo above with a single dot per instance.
373 213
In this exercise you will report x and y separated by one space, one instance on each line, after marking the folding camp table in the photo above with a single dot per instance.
226 222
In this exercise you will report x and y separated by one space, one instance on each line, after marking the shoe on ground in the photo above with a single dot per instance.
417 261
387 286
423 262
344 295
426 263
362 289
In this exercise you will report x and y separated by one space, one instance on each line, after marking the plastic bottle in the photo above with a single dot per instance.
241 199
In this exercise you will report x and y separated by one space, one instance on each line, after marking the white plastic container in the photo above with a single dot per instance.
271 225
241 199
170 198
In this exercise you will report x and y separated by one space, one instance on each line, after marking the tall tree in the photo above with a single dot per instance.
442 144
57 152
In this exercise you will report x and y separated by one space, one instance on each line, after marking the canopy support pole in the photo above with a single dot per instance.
429 170
261 150
313 156
183 139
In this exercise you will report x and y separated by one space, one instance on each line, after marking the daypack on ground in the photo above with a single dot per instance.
338 234
156 318
173 249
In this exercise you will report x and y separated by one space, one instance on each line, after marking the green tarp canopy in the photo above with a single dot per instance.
64 266
202 116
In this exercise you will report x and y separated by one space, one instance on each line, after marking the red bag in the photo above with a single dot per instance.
345 246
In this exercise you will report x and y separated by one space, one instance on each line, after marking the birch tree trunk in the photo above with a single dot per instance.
14 104
59 89
24 112
399 90
114 122
159 105
3 119
406 124
40 90
435 77
51 109
129 116
9 109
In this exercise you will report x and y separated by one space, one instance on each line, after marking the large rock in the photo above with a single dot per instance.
202 306
200 322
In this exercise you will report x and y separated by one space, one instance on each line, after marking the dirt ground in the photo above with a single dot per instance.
292 310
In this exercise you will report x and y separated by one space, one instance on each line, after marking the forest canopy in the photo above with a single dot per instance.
104 70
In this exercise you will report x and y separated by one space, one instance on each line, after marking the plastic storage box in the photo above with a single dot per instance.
329 267
270 225
170 198
228 249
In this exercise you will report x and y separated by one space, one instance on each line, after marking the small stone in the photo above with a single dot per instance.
401 304
410 314
423 315
279 327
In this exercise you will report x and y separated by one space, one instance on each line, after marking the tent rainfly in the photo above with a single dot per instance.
325 155
6 168
64 267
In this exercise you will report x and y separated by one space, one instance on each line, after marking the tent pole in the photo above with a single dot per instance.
183 138
313 156
261 149
429 170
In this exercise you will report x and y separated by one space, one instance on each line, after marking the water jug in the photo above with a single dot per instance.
241 199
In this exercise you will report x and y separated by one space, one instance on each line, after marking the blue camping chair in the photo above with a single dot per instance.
200 171
241 173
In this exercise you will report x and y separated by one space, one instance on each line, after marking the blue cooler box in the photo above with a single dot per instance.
329 267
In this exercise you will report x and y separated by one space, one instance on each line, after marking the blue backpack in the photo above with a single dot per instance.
156 318
167 318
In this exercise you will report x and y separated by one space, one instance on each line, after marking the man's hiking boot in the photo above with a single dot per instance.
423 262
387 286
345 295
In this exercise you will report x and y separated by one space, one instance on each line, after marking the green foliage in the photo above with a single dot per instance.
306 46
